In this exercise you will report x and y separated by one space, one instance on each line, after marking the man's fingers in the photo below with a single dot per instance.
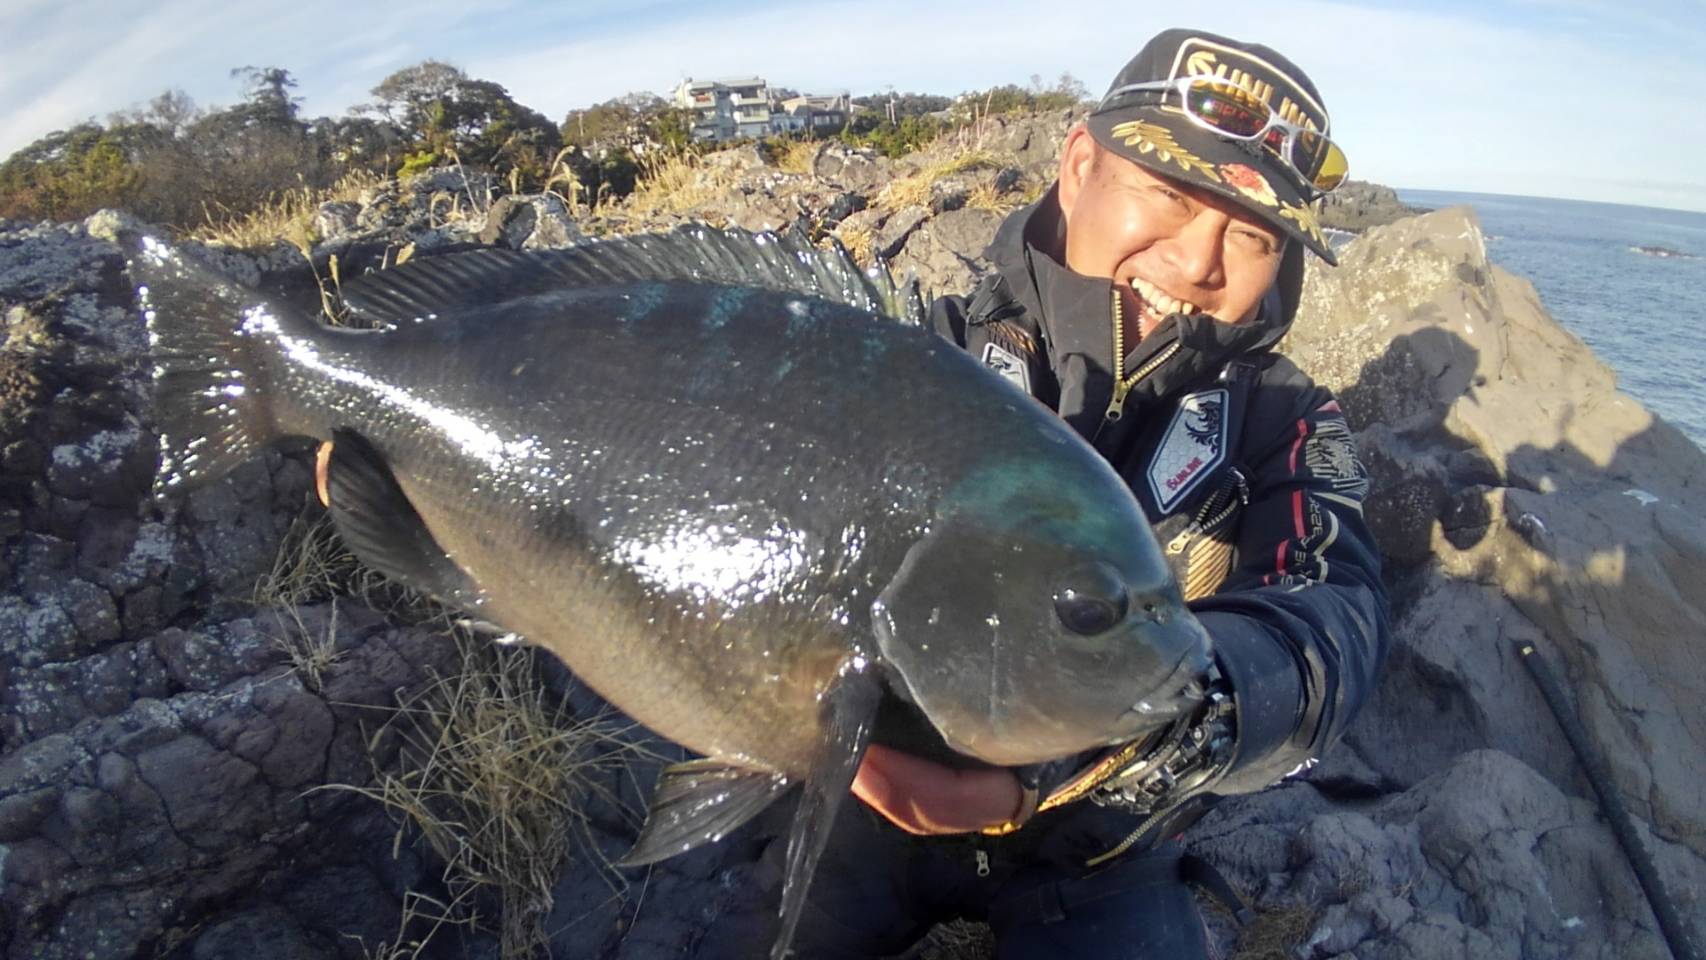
927 798
322 458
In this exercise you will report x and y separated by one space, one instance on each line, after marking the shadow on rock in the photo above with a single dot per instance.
1518 498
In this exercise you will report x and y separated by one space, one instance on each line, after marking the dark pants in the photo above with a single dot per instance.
878 891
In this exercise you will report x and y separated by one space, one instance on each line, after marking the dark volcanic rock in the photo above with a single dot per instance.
157 749
1518 497
1358 205
159 746
527 223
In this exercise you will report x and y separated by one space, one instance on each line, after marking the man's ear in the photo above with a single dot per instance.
1077 156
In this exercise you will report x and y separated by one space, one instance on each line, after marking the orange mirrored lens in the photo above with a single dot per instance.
1227 108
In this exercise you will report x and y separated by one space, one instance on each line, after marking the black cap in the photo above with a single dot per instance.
1151 129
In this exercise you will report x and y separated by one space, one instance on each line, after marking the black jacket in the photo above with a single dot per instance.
1245 467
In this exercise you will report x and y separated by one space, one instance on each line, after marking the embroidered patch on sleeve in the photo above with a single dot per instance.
1330 455
1193 446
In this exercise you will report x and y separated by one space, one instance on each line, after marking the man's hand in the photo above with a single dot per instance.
924 798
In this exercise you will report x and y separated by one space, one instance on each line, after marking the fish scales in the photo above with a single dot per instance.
628 522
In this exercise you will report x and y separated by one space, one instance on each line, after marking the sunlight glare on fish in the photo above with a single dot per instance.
470 435
718 560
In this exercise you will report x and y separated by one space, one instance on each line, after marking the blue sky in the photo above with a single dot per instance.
1589 99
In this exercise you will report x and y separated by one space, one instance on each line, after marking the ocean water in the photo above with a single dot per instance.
1644 315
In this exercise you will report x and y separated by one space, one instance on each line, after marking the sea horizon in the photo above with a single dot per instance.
1687 211
1594 266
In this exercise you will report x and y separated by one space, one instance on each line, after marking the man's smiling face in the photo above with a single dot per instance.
1169 247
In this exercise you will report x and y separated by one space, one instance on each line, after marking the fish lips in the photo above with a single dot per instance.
1016 694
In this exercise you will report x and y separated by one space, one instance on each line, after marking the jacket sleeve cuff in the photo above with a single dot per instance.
1267 691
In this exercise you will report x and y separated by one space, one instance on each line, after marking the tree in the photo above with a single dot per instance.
444 113
613 123
170 112
69 174
357 141
1066 91
403 96
895 107
267 101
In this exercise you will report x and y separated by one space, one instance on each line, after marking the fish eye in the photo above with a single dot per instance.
1091 600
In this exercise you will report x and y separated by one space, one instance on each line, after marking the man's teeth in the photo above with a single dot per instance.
1161 303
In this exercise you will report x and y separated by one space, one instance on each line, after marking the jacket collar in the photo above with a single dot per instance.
1073 314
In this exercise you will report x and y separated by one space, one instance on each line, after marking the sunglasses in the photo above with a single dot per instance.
1225 109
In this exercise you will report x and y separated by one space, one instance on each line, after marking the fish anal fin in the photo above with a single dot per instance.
849 709
699 802
381 527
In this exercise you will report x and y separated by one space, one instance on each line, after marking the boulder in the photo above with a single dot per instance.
1519 498
863 171
1357 205
537 222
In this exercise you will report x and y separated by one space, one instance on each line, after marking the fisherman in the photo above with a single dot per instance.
1141 298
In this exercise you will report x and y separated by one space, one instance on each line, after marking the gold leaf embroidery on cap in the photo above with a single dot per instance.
1303 214
1156 139
1250 183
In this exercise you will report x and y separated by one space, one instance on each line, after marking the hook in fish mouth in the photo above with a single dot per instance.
1180 692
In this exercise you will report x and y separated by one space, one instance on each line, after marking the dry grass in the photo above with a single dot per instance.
797 156
860 241
289 216
563 175
496 775
676 183
417 909
493 772
312 653
1274 934
914 190
313 566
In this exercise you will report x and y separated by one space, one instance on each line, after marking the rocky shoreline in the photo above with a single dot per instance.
164 727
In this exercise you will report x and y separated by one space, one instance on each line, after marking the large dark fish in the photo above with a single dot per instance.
698 468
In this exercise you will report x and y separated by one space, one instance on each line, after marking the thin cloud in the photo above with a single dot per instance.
1576 95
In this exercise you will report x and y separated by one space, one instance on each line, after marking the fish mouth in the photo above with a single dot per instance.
1178 693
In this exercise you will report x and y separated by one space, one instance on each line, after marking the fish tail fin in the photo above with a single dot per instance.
210 342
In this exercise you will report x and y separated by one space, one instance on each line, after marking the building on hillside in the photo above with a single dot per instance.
726 109
811 114
732 109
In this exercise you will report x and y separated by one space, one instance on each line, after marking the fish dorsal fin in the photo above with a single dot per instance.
421 289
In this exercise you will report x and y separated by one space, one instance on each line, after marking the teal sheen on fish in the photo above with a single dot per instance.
730 481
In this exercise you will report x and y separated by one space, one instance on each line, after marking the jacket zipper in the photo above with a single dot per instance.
1123 383
1214 510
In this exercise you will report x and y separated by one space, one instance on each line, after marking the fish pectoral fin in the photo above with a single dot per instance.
849 712
699 802
381 527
